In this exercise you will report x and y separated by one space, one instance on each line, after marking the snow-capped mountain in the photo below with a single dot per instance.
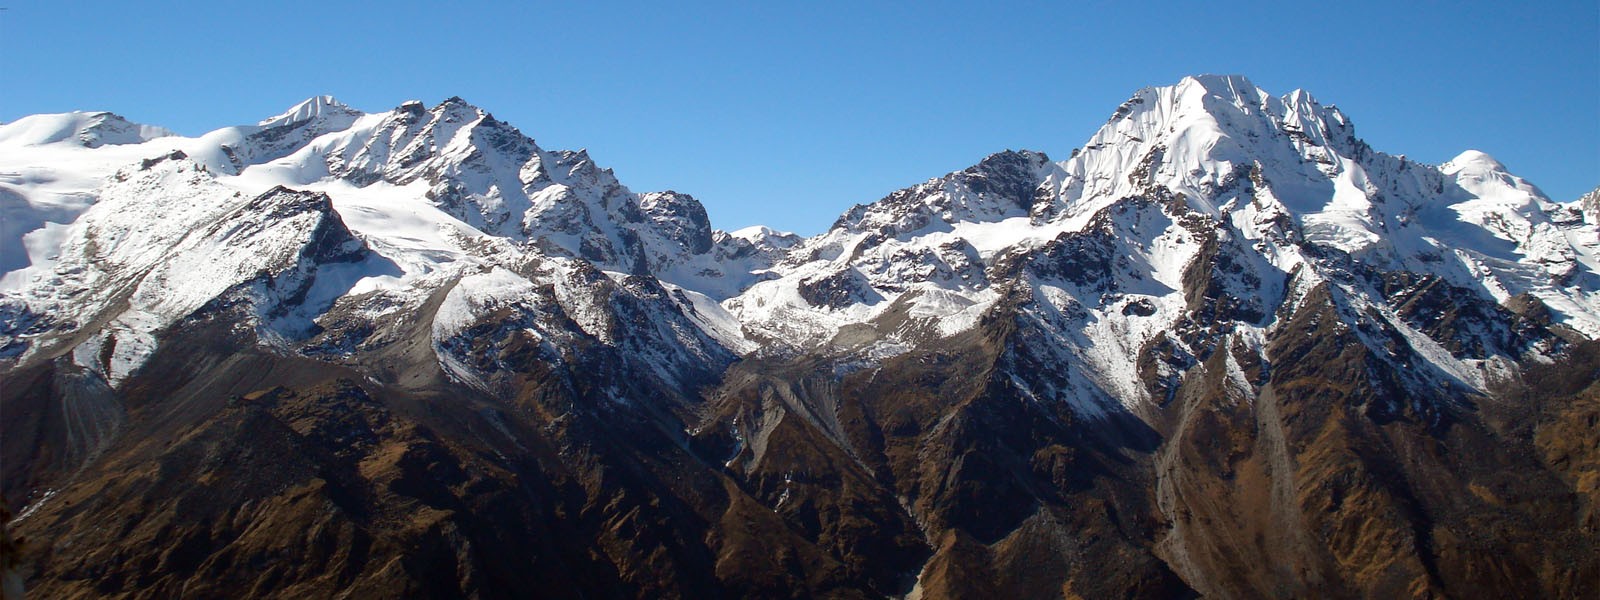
1222 336
1276 195
432 196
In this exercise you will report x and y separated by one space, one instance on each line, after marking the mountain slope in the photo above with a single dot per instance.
1224 349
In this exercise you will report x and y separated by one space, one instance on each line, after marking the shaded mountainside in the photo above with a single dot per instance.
1223 350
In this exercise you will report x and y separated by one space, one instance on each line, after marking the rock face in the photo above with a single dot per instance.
1590 205
1225 349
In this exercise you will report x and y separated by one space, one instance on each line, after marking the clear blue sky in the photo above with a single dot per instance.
787 113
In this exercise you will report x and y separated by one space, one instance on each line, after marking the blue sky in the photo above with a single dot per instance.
788 113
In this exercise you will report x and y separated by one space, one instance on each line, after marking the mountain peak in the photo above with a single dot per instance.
87 129
309 109
1221 85
414 107
1203 133
758 232
680 218
1012 159
1473 161
456 105
1300 97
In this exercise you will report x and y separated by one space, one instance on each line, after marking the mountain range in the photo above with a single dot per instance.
1223 349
